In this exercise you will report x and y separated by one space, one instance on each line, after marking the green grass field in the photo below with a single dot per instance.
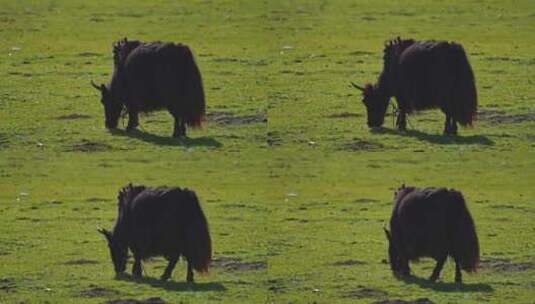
296 188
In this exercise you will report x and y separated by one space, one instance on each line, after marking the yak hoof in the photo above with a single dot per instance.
164 277
121 275
189 279
402 128
402 275
448 131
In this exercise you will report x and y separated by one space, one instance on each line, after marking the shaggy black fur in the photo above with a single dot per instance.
432 222
149 76
159 221
423 75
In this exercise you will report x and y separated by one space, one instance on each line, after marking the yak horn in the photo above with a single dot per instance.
96 86
357 86
386 232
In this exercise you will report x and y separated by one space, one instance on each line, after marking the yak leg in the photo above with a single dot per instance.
405 268
136 268
183 126
453 126
450 126
401 121
177 132
189 277
447 125
458 275
180 128
438 268
169 269
133 120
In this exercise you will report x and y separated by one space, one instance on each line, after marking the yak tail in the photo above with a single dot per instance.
193 91
466 240
464 91
198 241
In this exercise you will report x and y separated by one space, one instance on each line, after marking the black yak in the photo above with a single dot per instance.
152 76
160 221
431 222
423 75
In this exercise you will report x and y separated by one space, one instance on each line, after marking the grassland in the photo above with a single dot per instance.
295 186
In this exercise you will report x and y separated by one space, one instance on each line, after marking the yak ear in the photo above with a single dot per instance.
105 232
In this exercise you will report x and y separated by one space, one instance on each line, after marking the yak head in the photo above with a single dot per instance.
112 107
397 264
118 251
393 255
376 103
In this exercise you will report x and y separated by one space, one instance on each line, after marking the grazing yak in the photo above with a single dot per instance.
160 221
149 76
431 222
423 75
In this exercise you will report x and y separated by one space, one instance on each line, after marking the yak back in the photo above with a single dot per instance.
424 220
425 75
158 219
434 74
164 75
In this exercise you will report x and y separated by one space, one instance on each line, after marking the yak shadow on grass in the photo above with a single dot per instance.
167 140
448 286
174 285
438 138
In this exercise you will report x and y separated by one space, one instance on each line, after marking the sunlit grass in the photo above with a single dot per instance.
306 192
